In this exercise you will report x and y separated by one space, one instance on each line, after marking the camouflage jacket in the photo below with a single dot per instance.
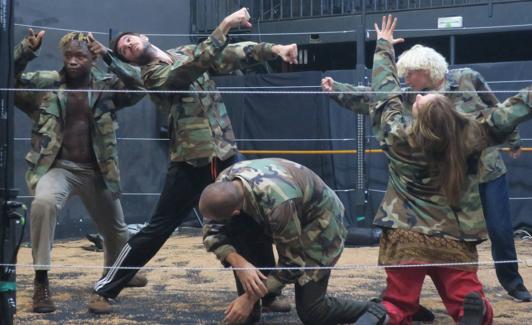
296 209
470 102
413 200
200 128
48 111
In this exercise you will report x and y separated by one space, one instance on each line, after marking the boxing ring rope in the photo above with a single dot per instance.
280 91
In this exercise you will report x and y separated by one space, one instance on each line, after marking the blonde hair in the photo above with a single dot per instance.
73 36
420 57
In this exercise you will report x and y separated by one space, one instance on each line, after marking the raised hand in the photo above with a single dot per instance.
96 47
238 18
287 52
35 40
327 84
387 29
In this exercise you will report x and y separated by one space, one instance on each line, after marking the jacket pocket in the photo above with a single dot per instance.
194 137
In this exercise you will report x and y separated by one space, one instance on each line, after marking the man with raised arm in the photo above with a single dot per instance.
202 142
73 148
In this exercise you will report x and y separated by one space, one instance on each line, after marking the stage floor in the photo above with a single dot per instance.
200 297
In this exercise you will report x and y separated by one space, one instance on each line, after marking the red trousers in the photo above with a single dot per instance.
401 296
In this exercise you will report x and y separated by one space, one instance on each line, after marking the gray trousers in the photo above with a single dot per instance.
66 179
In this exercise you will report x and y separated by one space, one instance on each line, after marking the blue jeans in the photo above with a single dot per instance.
496 206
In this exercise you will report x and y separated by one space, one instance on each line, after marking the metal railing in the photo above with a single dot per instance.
207 13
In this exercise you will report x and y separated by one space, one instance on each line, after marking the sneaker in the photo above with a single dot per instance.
520 293
276 305
42 298
375 315
137 281
474 309
423 315
99 304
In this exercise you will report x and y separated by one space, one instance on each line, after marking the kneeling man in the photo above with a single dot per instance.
291 206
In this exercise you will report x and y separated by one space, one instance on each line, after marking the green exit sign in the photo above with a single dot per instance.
450 22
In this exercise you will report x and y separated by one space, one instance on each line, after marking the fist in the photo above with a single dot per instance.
327 84
239 18
287 52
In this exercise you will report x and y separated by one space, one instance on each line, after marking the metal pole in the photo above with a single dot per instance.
452 50
360 186
7 193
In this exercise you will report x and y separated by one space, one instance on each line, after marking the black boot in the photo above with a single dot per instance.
423 315
474 309
374 315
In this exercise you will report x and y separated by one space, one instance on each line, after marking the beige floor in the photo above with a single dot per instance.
199 297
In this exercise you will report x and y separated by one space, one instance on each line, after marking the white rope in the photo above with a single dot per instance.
266 87
157 194
263 92
60 29
237 140
455 29
304 268
193 35
293 140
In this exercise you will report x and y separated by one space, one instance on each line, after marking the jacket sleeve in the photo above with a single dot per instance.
286 232
183 72
28 101
357 100
242 55
216 240
389 125
128 77
513 111
489 98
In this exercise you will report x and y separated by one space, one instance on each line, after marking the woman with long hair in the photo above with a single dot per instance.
431 212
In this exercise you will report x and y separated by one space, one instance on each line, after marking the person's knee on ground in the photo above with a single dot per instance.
476 310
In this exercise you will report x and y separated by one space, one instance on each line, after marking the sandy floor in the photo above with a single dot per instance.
199 297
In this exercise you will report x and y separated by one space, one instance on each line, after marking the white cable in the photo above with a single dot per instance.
293 140
192 35
306 268
455 29
237 140
259 92
155 194
267 87
60 29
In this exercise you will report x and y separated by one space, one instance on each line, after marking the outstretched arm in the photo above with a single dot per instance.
354 98
490 100
388 122
246 54
197 59
25 52
127 76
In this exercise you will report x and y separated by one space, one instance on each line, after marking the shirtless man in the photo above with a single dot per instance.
73 149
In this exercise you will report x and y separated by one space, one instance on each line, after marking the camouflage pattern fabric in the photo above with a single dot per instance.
413 200
47 111
296 208
470 102
199 125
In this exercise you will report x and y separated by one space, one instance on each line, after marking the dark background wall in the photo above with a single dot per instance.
142 163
